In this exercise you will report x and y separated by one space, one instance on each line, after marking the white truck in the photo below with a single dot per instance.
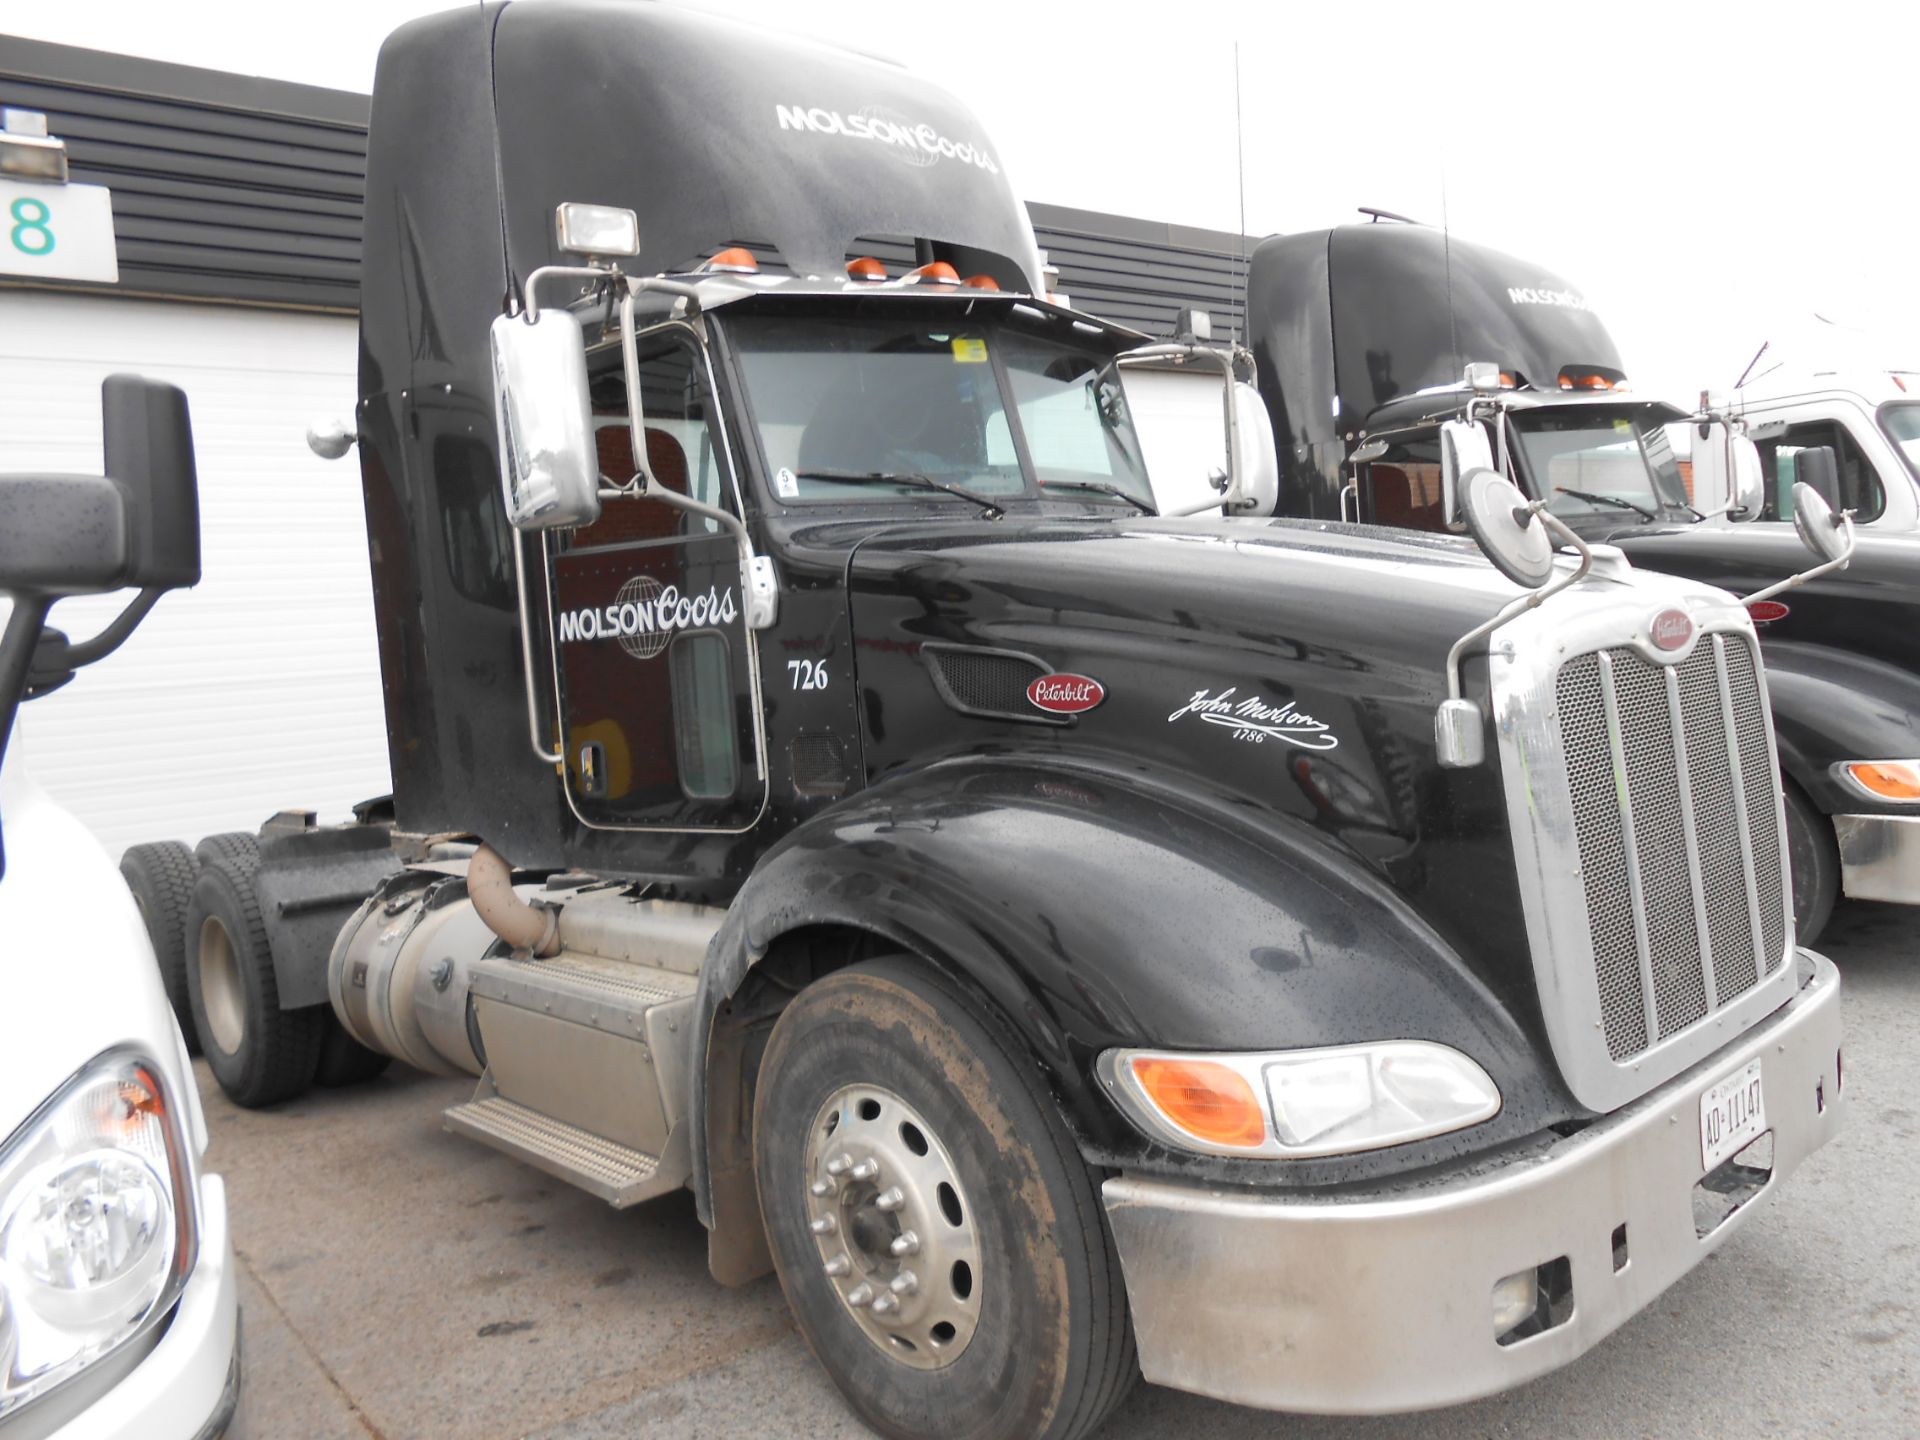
118 1314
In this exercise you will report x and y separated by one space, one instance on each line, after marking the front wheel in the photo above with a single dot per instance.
1813 856
937 1235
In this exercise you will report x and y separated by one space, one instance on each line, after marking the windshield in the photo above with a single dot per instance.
1902 424
991 409
1589 465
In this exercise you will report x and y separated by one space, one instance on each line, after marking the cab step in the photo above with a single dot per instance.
618 1174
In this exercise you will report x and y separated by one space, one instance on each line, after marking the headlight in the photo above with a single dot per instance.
1301 1103
97 1225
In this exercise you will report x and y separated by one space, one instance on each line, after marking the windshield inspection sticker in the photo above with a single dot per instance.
1257 722
969 350
784 485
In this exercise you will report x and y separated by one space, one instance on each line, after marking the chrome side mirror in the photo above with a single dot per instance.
330 437
1257 466
549 464
1464 448
1747 489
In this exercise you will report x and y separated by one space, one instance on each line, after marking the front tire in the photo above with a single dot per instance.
900 1132
1814 858
160 875
258 1052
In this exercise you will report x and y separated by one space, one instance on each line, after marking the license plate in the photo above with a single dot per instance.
1732 1114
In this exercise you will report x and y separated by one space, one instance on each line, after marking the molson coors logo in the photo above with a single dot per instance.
645 614
1539 295
912 142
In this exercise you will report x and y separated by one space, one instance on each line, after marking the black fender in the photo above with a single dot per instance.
1095 908
1831 705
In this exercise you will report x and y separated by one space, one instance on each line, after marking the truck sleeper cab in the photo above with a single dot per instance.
1559 421
1017 916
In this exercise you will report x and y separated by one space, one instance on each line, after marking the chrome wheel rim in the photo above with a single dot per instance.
220 992
894 1226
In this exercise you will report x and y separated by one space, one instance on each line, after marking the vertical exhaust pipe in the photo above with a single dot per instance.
528 928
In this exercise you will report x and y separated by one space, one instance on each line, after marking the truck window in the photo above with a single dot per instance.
1073 411
1587 464
1859 487
1402 487
703 715
680 448
1902 424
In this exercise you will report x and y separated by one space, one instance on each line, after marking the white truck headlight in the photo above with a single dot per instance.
97 1226
1298 1104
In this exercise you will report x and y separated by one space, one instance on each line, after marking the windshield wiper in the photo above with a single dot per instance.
988 507
1594 498
1102 487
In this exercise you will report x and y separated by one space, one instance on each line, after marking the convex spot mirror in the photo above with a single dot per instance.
1464 448
1821 530
1258 480
1506 529
549 464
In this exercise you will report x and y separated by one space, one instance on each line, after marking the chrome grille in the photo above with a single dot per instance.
1678 832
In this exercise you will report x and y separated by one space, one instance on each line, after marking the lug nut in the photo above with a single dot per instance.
860 1296
905 1243
838 1266
823 1226
865 1170
885 1305
839 1165
905 1283
891 1198
820 1189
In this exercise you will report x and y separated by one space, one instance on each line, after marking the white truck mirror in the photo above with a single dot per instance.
1257 476
1727 475
549 464
1464 448
1749 489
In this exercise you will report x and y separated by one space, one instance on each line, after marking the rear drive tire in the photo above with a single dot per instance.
1002 1314
1814 857
343 1059
258 1052
160 875
240 846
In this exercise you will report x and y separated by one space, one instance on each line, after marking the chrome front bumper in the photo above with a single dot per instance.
1880 857
1384 1303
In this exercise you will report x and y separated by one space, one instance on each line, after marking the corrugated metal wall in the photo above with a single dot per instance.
232 188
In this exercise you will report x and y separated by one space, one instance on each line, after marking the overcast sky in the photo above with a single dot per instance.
1709 176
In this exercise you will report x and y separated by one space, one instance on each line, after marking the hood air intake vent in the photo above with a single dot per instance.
989 683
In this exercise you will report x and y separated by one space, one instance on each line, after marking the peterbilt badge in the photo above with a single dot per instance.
1670 630
1065 694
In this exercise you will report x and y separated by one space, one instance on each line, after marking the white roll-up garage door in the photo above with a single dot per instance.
259 689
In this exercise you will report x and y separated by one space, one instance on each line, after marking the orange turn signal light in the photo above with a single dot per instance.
1208 1100
980 282
866 268
1889 779
738 260
937 272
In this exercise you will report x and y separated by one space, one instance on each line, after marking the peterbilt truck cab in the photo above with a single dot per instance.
1381 346
1044 932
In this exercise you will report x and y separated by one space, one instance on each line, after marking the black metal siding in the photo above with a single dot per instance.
231 188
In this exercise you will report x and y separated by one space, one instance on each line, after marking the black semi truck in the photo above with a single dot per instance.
1042 931
1364 335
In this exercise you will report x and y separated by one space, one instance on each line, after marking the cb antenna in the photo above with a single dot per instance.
1240 162
1446 248
1747 373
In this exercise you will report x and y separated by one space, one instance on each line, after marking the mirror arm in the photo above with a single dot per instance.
1520 604
757 592
115 635
1843 522
546 756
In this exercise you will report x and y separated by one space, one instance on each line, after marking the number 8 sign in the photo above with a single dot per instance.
57 232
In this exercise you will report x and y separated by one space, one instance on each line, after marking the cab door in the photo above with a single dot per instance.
655 669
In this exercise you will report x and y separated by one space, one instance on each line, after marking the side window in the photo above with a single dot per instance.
1860 489
681 449
1402 487
703 719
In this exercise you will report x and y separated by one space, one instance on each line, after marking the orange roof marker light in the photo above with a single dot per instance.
738 260
980 282
934 272
1591 380
866 267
